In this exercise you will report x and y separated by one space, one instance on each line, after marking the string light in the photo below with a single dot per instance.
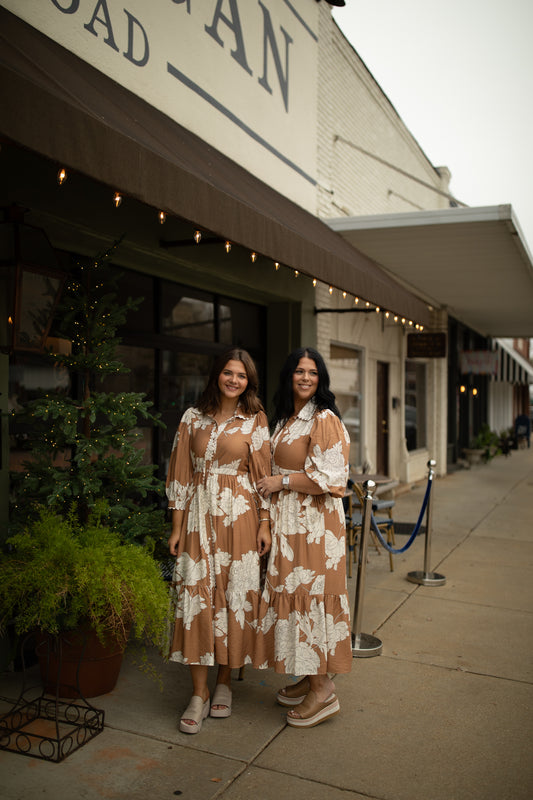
367 304
378 309
253 256
61 176
474 391
276 265
227 245
395 318
197 236
421 327
387 314
344 295
162 217
403 320
356 300
117 199
314 281
331 289
296 273
462 389
411 322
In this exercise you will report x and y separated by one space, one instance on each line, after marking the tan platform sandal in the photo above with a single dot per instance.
312 712
196 712
294 693
221 697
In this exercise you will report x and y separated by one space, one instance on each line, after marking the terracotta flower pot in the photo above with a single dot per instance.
79 662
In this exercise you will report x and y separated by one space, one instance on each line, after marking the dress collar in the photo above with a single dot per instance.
308 410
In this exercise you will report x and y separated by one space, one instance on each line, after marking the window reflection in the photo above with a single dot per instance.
185 313
345 370
415 405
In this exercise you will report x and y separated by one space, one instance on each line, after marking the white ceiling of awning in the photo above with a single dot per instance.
472 261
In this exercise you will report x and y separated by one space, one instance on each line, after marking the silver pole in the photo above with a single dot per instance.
428 578
364 645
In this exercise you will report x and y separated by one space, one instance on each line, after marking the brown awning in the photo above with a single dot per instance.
57 105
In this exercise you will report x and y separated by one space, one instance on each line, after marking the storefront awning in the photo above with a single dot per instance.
472 261
60 107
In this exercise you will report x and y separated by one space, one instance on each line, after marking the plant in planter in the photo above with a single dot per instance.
86 559
484 446
57 578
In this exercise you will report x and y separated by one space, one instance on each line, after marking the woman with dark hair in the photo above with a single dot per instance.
220 529
304 621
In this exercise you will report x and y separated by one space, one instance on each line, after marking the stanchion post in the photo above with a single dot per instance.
426 577
364 645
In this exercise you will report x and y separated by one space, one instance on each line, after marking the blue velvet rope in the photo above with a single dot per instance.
414 534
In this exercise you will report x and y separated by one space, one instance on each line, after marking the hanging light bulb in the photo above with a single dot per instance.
367 304
474 392
462 389
331 289
117 199
411 322
403 320
61 176
197 236
296 273
387 314
395 318
421 327
276 265
356 300
344 295
378 309
162 217
253 256
227 246
314 281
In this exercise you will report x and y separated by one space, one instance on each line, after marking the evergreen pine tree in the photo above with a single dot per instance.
83 440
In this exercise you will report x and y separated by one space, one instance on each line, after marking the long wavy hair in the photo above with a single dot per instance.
284 396
209 402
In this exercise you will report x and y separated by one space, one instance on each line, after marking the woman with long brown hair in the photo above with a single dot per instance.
220 529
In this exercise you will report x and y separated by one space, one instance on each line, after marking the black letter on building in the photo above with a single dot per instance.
73 7
268 37
140 62
233 24
107 22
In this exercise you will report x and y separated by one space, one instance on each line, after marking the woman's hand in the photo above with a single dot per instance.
268 485
177 518
264 538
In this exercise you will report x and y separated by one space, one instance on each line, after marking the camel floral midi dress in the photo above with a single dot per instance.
215 587
304 620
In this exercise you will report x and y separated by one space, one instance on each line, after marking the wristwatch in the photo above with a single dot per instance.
285 481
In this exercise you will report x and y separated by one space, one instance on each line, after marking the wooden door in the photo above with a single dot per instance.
382 419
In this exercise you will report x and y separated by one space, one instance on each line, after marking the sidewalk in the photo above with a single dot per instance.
444 713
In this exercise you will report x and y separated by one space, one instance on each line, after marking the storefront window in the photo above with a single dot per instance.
345 374
183 378
415 405
187 314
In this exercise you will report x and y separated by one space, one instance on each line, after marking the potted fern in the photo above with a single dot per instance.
80 590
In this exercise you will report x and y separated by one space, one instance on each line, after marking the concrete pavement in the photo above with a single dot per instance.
444 713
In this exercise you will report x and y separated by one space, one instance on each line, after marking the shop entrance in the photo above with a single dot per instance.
382 418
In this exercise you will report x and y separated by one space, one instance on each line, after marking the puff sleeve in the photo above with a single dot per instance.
327 462
179 477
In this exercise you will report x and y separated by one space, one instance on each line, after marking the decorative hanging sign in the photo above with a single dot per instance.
426 345
479 362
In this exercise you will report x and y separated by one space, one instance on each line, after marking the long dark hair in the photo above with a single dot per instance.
209 401
284 397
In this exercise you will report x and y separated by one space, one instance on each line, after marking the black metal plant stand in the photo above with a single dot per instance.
43 725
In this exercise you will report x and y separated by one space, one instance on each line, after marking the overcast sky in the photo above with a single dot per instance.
460 75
